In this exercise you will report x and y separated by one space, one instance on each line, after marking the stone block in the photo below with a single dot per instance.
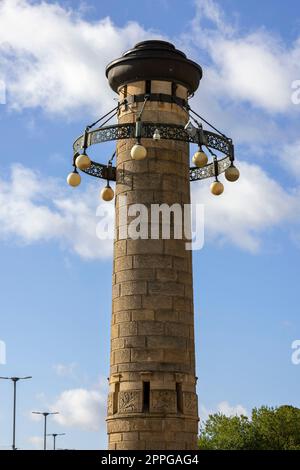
136 88
140 197
176 356
128 329
166 274
127 302
160 86
130 401
130 445
123 316
165 167
173 445
114 331
116 437
146 355
147 181
152 261
167 197
165 288
120 248
142 314
163 401
121 356
133 287
135 342
117 343
180 264
176 329
135 247
185 277
190 403
181 92
131 436
118 425
175 248
156 301
135 275
185 317
125 262
110 404
150 328
183 304
166 315
116 291
136 166
166 342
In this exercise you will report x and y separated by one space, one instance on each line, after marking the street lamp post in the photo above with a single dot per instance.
15 380
45 414
54 435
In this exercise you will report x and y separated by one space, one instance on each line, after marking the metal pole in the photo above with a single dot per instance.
54 435
14 414
45 414
45 431
15 380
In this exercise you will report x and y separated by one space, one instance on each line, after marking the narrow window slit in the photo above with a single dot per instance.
148 87
179 397
146 396
116 397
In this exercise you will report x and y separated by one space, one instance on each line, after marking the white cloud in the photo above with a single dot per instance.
224 408
52 58
35 209
64 71
248 208
254 67
65 370
81 408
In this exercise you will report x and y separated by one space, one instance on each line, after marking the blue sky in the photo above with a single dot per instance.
56 275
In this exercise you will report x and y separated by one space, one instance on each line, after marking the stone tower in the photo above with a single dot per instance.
152 400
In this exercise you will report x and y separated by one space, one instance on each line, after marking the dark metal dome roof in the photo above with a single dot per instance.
154 60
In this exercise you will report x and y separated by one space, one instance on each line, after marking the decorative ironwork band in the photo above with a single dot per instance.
167 131
99 170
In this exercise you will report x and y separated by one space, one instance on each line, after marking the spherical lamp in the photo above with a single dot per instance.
107 193
216 188
138 152
232 173
74 179
200 158
83 161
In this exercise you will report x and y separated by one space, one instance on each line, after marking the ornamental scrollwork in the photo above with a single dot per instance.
190 403
168 132
129 401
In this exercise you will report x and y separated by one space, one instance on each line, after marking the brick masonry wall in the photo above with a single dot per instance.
152 330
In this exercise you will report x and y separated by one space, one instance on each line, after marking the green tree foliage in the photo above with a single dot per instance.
268 429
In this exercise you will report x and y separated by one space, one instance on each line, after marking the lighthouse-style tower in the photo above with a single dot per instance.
152 400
